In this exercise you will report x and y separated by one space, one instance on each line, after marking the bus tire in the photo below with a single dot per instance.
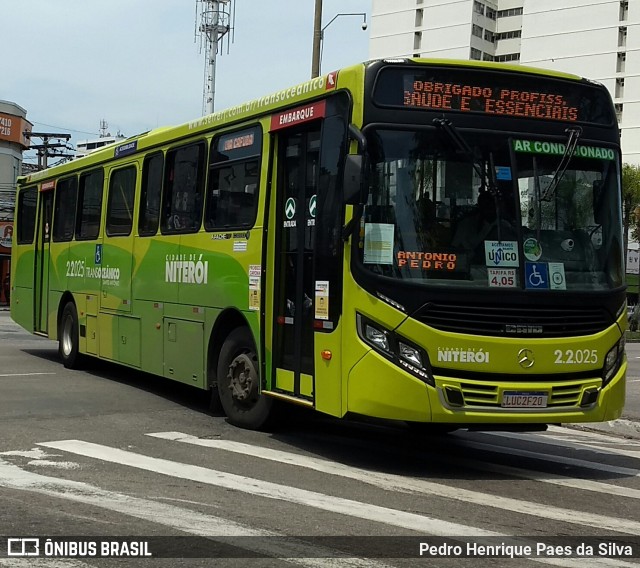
239 382
68 337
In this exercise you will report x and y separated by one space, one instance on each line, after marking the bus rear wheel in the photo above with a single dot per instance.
68 337
239 383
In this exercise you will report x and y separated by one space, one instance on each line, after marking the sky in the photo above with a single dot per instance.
137 63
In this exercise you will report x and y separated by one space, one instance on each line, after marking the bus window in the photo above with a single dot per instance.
183 185
232 195
64 215
122 186
150 195
27 200
89 205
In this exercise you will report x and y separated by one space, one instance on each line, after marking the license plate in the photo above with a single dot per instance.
517 399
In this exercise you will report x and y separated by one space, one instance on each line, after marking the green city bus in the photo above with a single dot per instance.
427 241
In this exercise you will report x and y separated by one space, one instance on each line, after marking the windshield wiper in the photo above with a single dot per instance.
569 151
487 178
451 131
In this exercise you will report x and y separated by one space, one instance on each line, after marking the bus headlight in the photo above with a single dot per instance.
613 360
410 354
377 337
396 348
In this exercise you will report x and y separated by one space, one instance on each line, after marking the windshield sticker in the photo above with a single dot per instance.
322 300
532 249
501 253
255 270
254 293
536 275
311 220
427 260
556 276
559 149
502 277
378 243
290 213
503 173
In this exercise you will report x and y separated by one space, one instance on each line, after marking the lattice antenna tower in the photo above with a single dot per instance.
104 126
215 21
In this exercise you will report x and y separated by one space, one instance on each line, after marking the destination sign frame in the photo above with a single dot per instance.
492 93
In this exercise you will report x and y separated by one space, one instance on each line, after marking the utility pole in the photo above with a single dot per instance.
318 35
317 40
51 143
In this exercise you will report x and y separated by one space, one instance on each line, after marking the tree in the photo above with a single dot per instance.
630 203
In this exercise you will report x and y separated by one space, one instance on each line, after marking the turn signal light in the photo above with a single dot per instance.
326 354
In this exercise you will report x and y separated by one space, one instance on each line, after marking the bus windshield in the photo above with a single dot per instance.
496 213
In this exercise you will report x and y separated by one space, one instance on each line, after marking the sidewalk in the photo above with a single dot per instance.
622 427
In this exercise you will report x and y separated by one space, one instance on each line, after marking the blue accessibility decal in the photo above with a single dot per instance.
536 275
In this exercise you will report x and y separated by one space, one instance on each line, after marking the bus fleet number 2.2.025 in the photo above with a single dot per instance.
575 357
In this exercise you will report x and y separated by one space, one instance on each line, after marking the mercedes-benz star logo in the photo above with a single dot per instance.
526 358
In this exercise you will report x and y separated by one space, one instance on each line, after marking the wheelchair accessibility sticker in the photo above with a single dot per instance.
536 275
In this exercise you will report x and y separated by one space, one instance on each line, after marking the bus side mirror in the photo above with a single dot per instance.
352 179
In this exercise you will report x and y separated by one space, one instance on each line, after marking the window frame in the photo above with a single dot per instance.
143 231
166 204
56 237
80 205
20 219
107 227
216 164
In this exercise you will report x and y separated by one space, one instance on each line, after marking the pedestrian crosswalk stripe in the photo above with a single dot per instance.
411 485
550 478
534 475
270 490
411 521
4 375
511 451
576 441
42 563
185 520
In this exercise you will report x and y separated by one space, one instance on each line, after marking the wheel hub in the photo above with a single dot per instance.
242 377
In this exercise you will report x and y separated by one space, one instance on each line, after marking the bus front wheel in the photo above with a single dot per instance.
68 341
239 382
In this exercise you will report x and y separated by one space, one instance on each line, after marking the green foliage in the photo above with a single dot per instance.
630 203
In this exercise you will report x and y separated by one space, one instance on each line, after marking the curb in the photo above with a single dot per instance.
622 428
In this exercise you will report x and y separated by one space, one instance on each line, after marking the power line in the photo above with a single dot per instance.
64 128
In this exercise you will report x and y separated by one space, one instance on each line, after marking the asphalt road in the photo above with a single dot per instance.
107 452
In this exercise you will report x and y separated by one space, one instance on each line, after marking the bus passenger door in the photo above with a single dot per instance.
41 274
293 292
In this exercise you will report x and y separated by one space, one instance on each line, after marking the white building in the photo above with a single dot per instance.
85 147
598 39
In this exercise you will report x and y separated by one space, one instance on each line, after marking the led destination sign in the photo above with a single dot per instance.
457 96
492 93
